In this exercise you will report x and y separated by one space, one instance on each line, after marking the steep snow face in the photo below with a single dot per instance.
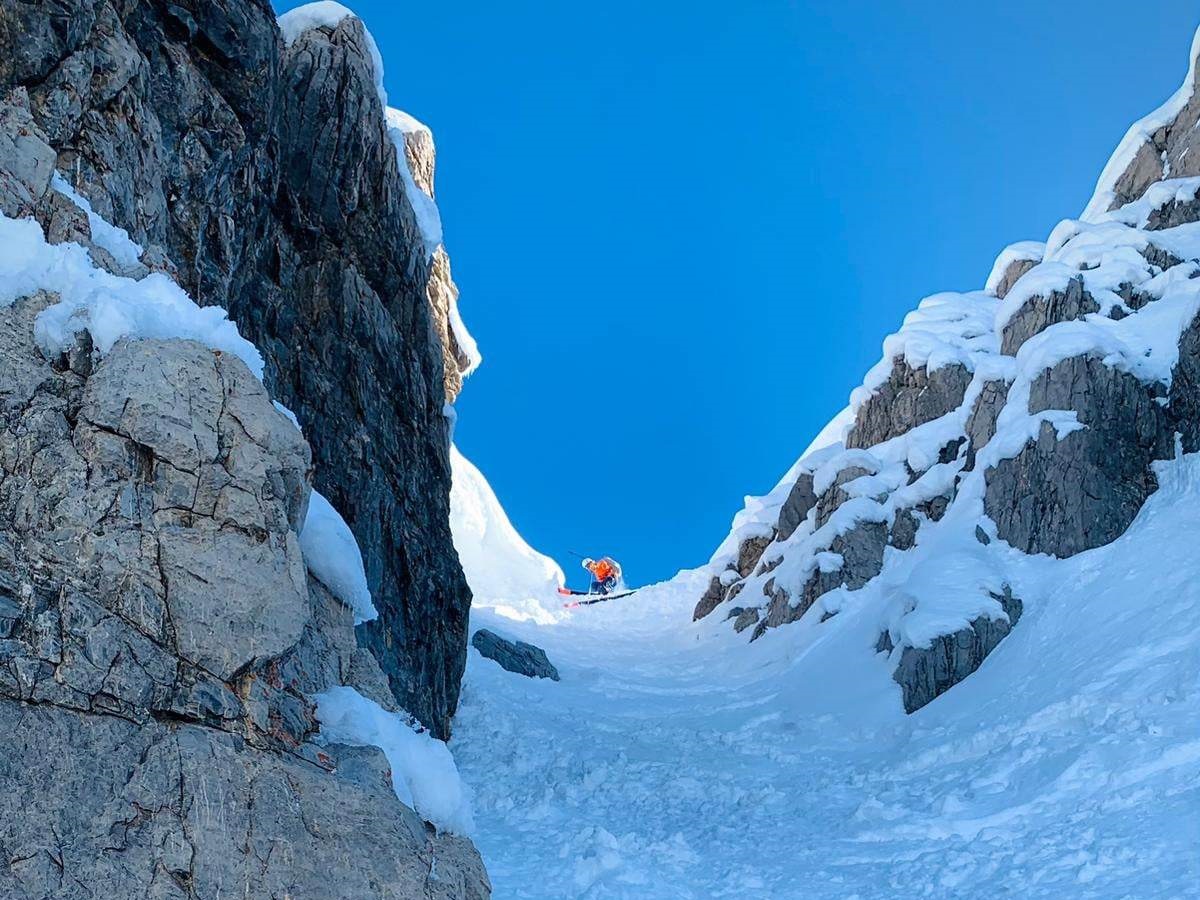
672 761
504 572
1059 761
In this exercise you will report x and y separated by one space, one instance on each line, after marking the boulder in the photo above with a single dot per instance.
514 656
710 599
927 672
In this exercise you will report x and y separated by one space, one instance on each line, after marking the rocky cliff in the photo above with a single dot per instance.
1025 418
163 646
261 174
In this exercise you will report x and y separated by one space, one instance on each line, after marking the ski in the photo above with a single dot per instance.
595 598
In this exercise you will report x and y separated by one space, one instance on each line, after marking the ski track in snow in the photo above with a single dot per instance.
676 761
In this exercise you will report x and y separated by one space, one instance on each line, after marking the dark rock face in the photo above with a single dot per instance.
800 500
263 175
861 549
711 598
981 423
1185 388
1039 313
161 640
132 814
926 673
1171 149
1065 496
1173 214
903 535
514 656
750 551
910 397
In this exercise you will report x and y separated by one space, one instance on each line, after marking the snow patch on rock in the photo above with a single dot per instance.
424 775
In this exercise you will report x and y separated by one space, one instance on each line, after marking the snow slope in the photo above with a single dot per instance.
675 761
502 569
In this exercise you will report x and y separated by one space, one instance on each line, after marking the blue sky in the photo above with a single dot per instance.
682 230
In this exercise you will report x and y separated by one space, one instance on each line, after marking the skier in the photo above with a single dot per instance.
606 574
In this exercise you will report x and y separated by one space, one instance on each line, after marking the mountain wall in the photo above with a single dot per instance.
260 173
1027 418
228 646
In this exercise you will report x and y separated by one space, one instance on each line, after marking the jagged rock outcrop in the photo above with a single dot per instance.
981 424
925 673
800 499
161 643
910 397
514 656
1038 313
264 177
1012 274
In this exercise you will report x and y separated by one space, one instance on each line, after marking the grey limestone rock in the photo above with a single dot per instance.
981 423
710 599
910 397
262 176
161 642
800 500
1012 274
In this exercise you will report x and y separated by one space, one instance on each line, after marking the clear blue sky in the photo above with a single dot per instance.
682 229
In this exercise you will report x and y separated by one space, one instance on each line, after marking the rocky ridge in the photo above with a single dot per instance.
1026 418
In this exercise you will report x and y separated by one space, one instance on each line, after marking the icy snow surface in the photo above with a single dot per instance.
423 772
675 761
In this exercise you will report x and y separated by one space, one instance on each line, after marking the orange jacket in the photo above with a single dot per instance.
604 569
